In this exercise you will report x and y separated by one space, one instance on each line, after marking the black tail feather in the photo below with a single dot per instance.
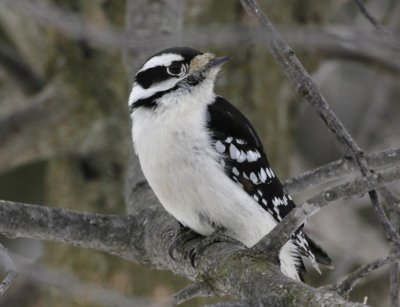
320 255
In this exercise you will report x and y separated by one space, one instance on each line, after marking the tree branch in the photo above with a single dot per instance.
264 301
348 283
305 86
189 292
26 78
393 203
278 236
70 286
339 168
112 234
354 44
9 267
146 236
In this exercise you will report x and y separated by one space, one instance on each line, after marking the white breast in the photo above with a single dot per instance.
183 170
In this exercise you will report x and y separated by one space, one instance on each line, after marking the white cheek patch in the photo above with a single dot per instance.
139 92
161 60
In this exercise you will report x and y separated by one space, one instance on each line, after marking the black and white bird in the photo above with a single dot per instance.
204 160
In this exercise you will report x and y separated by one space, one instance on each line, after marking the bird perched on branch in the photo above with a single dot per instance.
204 160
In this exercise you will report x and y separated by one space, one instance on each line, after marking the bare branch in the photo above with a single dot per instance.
9 267
334 41
393 203
189 292
264 301
275 239
6 283
377 25
394 284
305 86
145 238
38 129
26 78
363 9
112 234
72 287
348 283
339 168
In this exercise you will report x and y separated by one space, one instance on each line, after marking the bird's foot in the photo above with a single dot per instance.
217 236
181 237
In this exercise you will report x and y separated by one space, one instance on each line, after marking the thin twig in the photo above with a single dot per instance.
9 267
72 287
394 284
364 11
26 77
348 283
189 292
306 87
356 44
339 168
393 203
275 239
7 281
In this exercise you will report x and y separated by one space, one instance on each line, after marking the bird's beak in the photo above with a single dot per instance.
217 62
206 61
201 65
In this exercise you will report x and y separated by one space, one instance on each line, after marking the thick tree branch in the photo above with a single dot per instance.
112 234
275 239
264 301
145 238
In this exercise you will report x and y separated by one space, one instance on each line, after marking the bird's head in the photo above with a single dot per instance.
172 73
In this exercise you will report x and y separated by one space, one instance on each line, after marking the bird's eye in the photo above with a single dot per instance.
175 69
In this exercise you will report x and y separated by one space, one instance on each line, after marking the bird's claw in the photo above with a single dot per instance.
217 237
182 236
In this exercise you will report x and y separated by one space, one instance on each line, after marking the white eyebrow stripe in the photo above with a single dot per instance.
139 92
161 60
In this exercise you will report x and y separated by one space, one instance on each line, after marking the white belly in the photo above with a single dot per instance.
185 174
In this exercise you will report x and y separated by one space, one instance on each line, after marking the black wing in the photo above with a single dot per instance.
246 163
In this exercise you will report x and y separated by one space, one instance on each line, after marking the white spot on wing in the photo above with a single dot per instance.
264 201
263 175
272 173
252 156
240 141
220 147
268 172
234 152
253 178
242 157
255 197
229 139
235 171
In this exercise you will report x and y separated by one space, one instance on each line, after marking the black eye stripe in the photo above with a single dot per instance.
152 75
